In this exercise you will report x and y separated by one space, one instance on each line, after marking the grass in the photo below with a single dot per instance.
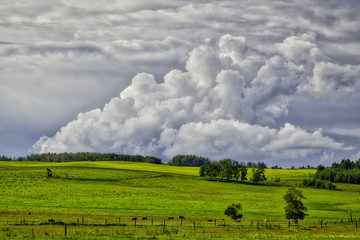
107 191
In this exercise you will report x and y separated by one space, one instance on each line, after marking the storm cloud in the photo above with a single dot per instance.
251 80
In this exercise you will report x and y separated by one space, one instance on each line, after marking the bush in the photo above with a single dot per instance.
233 211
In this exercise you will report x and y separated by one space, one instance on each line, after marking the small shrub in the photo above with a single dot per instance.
233 211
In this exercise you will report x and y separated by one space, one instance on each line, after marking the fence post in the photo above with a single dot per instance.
356 224
164 224
194 224
289 224
65 230
321 224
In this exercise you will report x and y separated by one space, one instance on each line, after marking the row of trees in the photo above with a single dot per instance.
197 161
338 175
346 164
228 169
225 169
188 161
346 171
84 156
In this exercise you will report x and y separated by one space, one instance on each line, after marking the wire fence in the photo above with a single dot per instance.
117 225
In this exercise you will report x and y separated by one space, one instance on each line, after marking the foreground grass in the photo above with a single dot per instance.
107 191
187 231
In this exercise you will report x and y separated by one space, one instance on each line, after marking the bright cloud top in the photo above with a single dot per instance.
227 103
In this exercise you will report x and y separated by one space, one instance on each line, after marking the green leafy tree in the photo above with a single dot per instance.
212 171
226 169
233 211
258 174
243 171
294 208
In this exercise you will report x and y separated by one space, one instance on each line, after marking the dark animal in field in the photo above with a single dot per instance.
51 220
238 220
134 218
170 217
266 220
28 213
209 220
144 218
181 217
49 173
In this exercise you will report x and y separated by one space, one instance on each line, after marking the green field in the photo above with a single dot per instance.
97 200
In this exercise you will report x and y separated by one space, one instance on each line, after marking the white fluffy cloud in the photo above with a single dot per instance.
210 110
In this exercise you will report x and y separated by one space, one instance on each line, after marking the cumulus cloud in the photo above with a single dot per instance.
211 109
265 63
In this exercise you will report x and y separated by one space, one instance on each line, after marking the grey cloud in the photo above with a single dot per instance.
353 132
60 58
53 48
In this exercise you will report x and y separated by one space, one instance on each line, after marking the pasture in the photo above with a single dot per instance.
96 200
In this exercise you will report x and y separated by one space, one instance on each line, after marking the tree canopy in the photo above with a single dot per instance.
85 156
188 161
294 208
233 211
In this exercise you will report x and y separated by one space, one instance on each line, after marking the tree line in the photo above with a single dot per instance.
188 161
346 171
83 156
228 169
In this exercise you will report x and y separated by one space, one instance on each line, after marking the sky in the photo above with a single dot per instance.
250 80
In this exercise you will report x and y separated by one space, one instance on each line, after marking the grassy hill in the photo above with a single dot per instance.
120 190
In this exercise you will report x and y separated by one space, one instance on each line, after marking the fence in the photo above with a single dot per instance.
116 225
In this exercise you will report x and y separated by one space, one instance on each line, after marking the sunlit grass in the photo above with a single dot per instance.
109 190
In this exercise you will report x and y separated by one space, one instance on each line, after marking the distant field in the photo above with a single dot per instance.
107 191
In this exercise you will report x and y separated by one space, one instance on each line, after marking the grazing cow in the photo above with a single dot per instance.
170 217
28 213
181 217
134 218
266 220
51 220
144 218
209 220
